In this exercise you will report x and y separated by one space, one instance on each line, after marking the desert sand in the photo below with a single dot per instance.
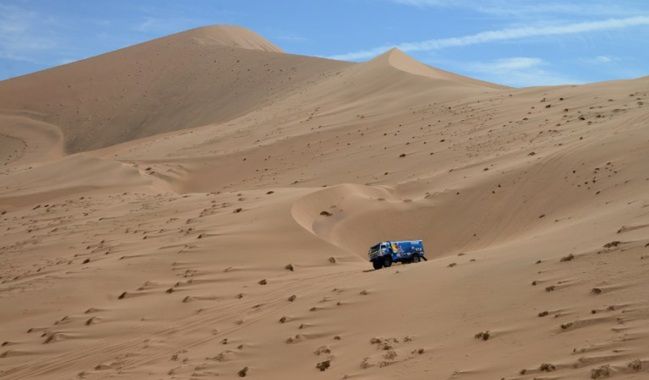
162 218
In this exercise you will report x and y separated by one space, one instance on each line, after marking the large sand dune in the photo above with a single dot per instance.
201 76
200 206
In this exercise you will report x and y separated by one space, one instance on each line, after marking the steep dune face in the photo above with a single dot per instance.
237 245
202 76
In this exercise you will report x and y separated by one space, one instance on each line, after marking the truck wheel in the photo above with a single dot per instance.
387 261
416 258
377 264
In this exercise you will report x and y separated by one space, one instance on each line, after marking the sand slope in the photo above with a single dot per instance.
186 80
218 227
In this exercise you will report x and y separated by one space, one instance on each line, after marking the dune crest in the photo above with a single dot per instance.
230 36
401 61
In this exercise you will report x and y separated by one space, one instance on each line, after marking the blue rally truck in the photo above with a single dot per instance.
385 253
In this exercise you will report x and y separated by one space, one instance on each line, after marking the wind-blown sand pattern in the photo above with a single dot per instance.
200 206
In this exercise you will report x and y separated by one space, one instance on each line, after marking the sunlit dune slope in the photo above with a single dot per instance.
185 80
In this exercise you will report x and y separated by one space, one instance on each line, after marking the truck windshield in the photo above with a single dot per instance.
375 249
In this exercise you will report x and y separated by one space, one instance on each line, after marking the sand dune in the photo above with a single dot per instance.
201 205
202 76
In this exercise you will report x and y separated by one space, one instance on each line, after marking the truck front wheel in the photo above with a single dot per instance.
377 264
416 258
387 261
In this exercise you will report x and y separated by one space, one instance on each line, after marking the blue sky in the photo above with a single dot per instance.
518 43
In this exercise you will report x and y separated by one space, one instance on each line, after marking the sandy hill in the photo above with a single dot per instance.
202 76
213 218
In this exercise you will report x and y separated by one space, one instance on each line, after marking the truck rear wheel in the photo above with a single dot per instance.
387 261
377 264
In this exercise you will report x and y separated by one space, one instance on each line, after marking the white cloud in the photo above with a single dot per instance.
153 25
424 3
501 35
603 59
22 34
516 72
159 25
527 8
291 38
504 64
